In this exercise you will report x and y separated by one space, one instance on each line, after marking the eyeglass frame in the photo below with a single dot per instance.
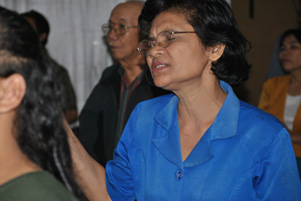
154 42
125 27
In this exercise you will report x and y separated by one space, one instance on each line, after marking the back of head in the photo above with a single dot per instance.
40 22
214 23
38 122
136 2
17 37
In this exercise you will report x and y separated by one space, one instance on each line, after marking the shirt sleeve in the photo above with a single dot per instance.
275 175
278 177
119 176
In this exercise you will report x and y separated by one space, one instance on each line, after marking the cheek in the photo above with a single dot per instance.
132 39
296 56
298 59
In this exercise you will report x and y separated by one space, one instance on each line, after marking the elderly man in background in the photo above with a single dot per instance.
121 87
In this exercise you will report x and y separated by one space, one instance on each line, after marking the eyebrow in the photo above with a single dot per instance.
291 43
167 30
121 19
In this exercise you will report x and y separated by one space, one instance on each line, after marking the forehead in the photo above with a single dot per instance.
126 13
170 20
290 39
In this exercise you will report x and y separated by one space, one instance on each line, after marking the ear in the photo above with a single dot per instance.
12 91
43 37
216 52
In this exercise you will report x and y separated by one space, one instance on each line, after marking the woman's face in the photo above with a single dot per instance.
290 54
184 62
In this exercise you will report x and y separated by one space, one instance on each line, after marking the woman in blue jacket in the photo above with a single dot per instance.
201 142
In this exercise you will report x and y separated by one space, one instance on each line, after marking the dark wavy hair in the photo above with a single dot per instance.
214 23
294 32
40 21
38 123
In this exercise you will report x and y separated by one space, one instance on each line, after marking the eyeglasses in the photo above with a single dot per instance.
119 29
163 40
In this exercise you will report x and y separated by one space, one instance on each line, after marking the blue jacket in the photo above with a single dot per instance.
246 154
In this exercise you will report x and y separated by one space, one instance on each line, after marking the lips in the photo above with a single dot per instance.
285 60
112 45
158 66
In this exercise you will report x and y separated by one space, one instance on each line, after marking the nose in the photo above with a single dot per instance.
155 51
112 35
284 51
284 54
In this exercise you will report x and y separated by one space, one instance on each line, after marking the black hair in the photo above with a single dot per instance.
40 21
294 32
38 123
214 23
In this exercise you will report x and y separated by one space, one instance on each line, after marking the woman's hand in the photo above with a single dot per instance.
89 174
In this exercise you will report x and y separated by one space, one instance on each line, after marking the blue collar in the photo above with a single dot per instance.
224 126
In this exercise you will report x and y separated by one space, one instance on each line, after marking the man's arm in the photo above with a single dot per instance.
90 175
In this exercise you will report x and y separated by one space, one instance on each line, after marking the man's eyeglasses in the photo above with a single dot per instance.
119 29
163 40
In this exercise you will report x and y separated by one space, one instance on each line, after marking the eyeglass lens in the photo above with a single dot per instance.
163 40
119 29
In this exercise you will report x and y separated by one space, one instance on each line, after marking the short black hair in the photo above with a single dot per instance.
294 32
40 21
214 23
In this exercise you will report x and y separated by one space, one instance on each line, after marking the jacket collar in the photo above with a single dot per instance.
224 126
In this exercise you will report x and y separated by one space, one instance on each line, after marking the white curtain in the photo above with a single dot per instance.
75 39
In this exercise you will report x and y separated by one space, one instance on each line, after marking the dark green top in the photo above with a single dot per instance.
35 186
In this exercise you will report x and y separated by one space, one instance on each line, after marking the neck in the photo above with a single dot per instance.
296 77
201 104
13 162
132 67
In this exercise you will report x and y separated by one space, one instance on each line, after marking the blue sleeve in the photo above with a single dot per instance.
119 176
278 177
274 176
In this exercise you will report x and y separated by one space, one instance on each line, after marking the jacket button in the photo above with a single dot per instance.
179 174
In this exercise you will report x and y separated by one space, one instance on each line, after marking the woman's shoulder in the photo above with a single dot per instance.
259 117
39 186
258 130
258 127
278 80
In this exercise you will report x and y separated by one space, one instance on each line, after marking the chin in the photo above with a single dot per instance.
288 68
116 55
161 84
